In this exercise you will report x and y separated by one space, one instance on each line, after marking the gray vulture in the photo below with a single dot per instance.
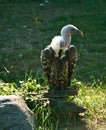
59 58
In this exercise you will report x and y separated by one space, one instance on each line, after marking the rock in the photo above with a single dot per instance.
15 115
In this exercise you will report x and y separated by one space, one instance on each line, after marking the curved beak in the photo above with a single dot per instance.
79 33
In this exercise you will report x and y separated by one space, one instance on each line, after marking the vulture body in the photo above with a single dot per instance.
59 59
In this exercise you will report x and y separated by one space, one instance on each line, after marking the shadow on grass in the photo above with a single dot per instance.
68 115
81 125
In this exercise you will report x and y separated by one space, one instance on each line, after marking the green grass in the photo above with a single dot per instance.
94 100
93 97
26 28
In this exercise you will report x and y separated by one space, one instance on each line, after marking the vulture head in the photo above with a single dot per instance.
69 30
63 41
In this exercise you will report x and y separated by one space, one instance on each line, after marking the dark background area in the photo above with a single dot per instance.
28 26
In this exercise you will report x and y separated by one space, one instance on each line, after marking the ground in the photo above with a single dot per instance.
27 27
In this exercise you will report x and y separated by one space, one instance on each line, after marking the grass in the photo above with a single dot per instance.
94 98
26 28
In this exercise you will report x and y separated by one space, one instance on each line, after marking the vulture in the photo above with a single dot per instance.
59 59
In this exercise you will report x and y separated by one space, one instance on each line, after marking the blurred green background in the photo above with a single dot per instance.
28 26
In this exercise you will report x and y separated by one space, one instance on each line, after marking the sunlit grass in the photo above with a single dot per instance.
92 96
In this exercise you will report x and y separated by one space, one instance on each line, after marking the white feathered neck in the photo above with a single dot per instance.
62 41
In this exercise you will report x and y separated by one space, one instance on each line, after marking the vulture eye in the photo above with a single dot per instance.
72 29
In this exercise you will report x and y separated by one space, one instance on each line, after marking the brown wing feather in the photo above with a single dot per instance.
72 61
46 60
59 70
